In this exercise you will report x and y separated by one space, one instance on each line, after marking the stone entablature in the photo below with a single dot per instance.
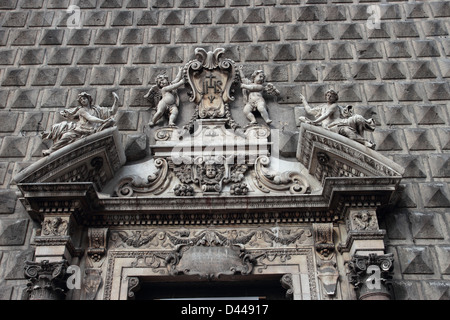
213 174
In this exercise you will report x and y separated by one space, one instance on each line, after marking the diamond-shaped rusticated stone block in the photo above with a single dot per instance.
58 56
334 72
437 90
8 121
415 260
443 253
160 35
7 201
409 91
377 92
406 290
8 56
241 34
392 70
111 3
15 19
24 37
133 36
388 140
172 54
127 120
226 16
116 55
136 147
45 77
74 76
14 262
305 72
426 48
14 147
54 98
213 34
122 18
189 4
32 56
436 290
398 49
185 35
107 36
440 8
421 69
413 165
340 50
440 165
419 139
396 224
407 196
34 121
430 114
405 29
397 115
426 225
13 231
52 37
24 99
434 195
444 137
102 76
131 76
15 77
369 50
144 55
434 28
41 19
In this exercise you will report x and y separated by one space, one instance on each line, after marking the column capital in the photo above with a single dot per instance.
46 280
371 275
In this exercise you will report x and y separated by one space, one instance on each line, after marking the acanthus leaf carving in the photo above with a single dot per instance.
267 181
156 182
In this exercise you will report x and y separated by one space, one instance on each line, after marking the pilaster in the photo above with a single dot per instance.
369 268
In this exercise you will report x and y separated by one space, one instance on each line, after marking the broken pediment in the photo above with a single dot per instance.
210 169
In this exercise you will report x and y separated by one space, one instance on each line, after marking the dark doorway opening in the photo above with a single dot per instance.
226 287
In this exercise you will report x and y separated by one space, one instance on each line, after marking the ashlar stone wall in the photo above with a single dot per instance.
396 72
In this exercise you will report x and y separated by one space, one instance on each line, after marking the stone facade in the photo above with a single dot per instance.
395 72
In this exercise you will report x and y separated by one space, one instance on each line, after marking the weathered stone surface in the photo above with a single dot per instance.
425 225
14 147
437 290
13 266
440 165
136 147
415 260
7 201
434 195
13 231
8 121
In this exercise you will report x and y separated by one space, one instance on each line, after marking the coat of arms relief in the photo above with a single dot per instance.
211 154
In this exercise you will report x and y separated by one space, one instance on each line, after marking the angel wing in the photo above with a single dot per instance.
154 95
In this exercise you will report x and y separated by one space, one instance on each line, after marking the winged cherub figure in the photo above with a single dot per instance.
164 93
253 95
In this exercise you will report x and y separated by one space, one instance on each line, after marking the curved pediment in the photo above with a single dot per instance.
327 154
95 158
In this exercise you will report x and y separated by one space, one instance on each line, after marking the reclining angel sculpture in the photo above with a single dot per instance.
89 119
339 119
